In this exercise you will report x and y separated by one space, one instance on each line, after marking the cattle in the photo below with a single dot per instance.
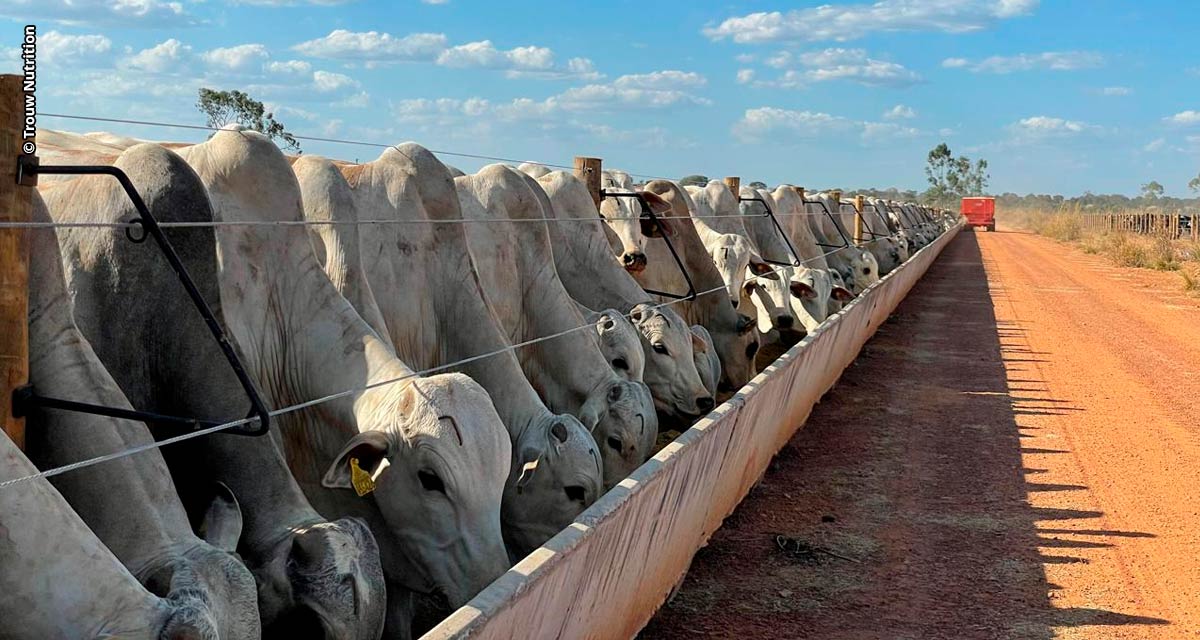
429 293
585 266
515 265
434 447
304 567
130 503
727 242
733 334
60 581
811 309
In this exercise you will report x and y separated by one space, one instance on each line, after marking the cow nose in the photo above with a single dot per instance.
784 322
706 404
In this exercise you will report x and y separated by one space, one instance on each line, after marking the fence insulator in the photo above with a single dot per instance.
16 204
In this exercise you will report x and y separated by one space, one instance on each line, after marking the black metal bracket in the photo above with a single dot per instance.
771 214
866 226
26 398
836 225
648 217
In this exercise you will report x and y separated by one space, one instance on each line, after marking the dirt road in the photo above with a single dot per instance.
1016 454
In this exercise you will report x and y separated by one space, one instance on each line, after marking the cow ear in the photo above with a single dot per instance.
698 343
527 464
367 450
802 290
222 523
659 206
841 294
759 267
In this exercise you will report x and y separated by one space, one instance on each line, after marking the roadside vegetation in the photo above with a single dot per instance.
1122 248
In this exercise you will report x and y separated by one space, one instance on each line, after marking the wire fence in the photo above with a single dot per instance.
304 223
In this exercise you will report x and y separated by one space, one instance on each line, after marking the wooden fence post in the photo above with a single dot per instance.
858 220
735 185
16 203
588 170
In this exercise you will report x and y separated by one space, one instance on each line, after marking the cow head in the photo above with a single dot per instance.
623 216
623 422
670 367
768 297
433 458
556 473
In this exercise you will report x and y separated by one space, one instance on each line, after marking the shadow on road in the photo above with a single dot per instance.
903 502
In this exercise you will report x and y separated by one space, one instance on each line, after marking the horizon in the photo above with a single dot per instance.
1060 98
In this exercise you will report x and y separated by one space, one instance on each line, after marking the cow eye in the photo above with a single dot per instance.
751 349
614 443
430 481
660 348
619 363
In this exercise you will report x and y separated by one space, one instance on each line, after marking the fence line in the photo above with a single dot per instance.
1176 226
316 401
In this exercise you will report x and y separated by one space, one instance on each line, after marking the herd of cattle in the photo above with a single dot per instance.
443 447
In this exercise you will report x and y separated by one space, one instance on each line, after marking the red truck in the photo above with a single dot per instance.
980 212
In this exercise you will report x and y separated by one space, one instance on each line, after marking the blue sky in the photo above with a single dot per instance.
1060 96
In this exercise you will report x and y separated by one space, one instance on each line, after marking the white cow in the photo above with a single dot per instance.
60 581
733 334
130 503
810 309
303 565
429 292
584 263
434 446
515 265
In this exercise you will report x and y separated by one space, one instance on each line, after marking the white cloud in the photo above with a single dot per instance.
168 55
59 48
1050 60
1116 91
328 82
851 21
341 44
243 57
436 1
376 48
824 65
745 75
1155 145
1184 118
1046 126
758 124
669 79
611 97
899 112
288 67
485 55
92 13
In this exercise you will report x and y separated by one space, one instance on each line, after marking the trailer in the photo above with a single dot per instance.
980 212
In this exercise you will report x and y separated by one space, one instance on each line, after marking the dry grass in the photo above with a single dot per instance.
1125 249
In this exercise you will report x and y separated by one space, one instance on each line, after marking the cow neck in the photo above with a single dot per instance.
583 257
150 518
303 341
327 198
111 281
427 287
516 267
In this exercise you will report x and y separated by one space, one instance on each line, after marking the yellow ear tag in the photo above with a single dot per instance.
360 480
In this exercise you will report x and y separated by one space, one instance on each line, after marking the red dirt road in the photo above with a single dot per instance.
1016 454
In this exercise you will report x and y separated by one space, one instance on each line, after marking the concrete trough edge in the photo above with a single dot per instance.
606 574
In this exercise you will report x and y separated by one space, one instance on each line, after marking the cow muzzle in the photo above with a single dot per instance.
634 262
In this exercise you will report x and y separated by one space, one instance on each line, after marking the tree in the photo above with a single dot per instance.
693 181
227 107
951 178
757 185
1152 190
1194 184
